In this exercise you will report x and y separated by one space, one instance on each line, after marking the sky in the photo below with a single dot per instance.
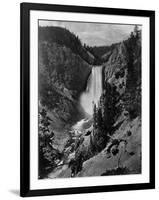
94 34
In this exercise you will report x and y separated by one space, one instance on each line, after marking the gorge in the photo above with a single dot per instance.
90 114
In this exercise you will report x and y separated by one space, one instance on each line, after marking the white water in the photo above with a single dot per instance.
93 91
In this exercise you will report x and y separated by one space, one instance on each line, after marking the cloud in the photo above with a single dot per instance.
94 34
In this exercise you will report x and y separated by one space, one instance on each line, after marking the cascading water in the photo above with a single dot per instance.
93 91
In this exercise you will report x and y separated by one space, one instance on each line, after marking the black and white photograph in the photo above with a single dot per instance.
89 99
78 101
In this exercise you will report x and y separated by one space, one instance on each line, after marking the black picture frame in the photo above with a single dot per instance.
25 9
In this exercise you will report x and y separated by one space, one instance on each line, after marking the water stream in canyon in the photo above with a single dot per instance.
88 98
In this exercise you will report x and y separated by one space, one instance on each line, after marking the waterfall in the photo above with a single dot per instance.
93 91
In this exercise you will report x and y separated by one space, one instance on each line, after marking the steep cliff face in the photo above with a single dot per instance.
123 73
63 73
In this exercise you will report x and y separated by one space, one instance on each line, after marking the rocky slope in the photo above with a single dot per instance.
122 154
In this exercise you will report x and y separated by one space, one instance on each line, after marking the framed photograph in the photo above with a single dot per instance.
87 99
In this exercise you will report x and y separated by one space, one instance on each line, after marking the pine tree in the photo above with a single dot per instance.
136 31
47 154
94 116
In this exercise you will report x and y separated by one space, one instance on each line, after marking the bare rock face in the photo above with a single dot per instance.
115 71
